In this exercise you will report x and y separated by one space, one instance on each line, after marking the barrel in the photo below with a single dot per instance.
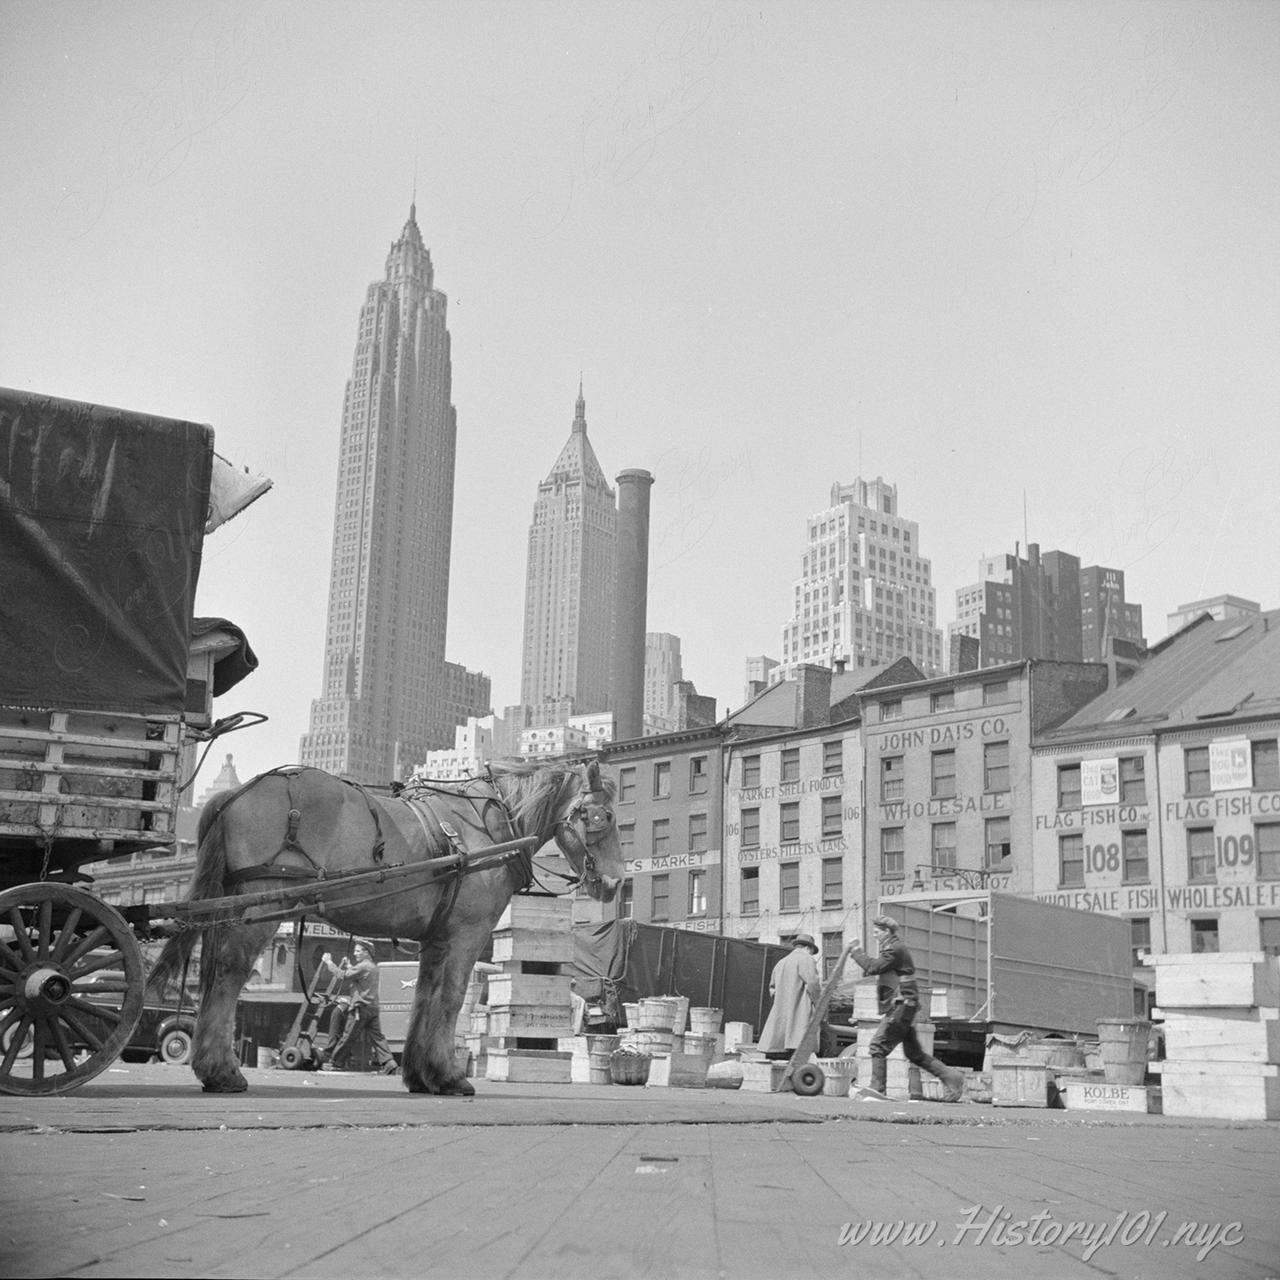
838 1075
657 1013
266 1058
705 1022
1122 1043
654 1042
598 1050
631 1014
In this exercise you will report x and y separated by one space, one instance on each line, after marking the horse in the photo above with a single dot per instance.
298 824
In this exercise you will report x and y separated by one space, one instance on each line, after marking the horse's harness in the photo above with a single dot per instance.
583 825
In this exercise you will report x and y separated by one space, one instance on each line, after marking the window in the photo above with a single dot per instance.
697 832
832 758
698 776
832 946
626 786
1266 766
1195 761
892 851
750 771
943 843
1204 934
697 893
943 774
627 838
999 842
995 766
789 886
891 710
1139 936
789 822
627 905
943 700
1071 861
661 887
790 765
832 882
661 837
749 891
662 779
1269 935
750 827
1133 780
1068 786
832 816
1266 837
892 782
1133 846
1200 859
995 691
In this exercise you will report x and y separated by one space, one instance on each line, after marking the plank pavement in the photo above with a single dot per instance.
139 1173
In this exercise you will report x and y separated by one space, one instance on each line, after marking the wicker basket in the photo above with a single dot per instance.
629 1068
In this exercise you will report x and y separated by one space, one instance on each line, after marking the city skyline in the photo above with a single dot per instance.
1017 260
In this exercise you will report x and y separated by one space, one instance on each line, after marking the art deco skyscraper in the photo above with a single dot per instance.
570 581
865 593
383 701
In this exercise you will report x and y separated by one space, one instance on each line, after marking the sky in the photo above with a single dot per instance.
1020 259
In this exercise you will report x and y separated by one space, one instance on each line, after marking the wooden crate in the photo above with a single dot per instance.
678 1071
1089 1095
1221 1035
1227 1091
550 990
537 914
530 1066
1020 1084
547 946
1216 980
548 1022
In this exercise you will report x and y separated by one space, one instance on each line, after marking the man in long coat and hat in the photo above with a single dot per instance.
794 986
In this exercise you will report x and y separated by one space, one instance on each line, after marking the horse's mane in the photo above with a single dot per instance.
535 791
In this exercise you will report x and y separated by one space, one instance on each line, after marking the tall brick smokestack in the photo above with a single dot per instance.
632 602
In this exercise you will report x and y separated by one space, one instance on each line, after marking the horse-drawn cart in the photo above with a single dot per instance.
103 701
104 698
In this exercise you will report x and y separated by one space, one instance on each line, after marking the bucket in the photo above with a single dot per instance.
652 1042
838 1075
705 1022
598 1050
702 1046
631 1014
1123 1046
657 1014
266 1059
681 1020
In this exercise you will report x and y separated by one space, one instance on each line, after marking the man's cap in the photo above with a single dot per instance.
363 942
804 940
886 922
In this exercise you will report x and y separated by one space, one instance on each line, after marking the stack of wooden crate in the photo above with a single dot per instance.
529 1006
1221 1019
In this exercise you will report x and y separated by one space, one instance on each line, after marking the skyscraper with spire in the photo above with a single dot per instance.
570 578
382 704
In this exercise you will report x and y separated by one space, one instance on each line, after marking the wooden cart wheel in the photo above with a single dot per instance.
291 1059
72 985
808 1080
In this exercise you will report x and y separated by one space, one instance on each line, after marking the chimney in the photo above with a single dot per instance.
631 603
813 695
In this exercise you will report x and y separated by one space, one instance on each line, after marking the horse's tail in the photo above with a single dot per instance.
209 882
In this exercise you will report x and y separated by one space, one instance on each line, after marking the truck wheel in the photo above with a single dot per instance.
808 1080
175 1046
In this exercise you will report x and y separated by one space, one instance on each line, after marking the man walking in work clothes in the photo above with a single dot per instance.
360 982
898 1024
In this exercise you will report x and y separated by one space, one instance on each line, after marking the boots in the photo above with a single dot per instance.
952 1079
879 1074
